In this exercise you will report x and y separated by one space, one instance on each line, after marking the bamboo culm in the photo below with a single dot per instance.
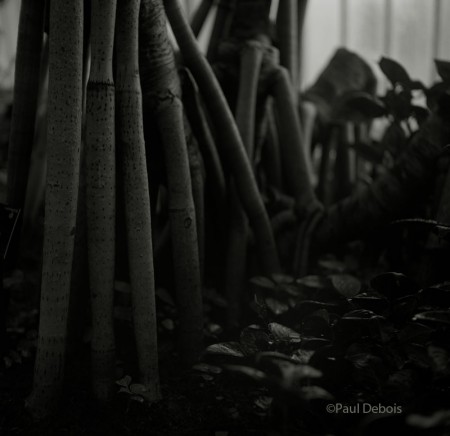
200 127
250 65
200 15
64 138
294 157
100 195
287 33
131 148
26 89
162 101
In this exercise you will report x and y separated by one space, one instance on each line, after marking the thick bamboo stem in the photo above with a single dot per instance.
26 89
198 191
64 138
287 33
222 22
200 127
200 15
100 195
271 151
295 158
250 65
161 96
131 146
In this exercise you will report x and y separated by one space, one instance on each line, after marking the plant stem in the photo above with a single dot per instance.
100 195
161 96
342 181
224 16
131 145
301 12
64 138
26 90
287 33
271 151
251 59
230 140
198 191
295 158
200 15
197 119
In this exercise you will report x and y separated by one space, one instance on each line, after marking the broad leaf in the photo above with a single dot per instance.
283 333
316 282
138 389
226 349
346 285
361 315
208 369
395 72
333 265
310 393
393 285
420 113
358 107
248 371
276 306
434 317
434 297
263 282
438 419
414 333
443 69
371 301
263 402
302 356
124 381
282 279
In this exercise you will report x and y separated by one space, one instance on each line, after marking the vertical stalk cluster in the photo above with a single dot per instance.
230 140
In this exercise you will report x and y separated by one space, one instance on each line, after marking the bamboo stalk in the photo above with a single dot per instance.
100 195
295 158
342 180
131 145
230 140
271 151
200 15
161 97
26 90
250 65
197 119
222 22
287 33
198 191
301 13
64 138
329 144
79 293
